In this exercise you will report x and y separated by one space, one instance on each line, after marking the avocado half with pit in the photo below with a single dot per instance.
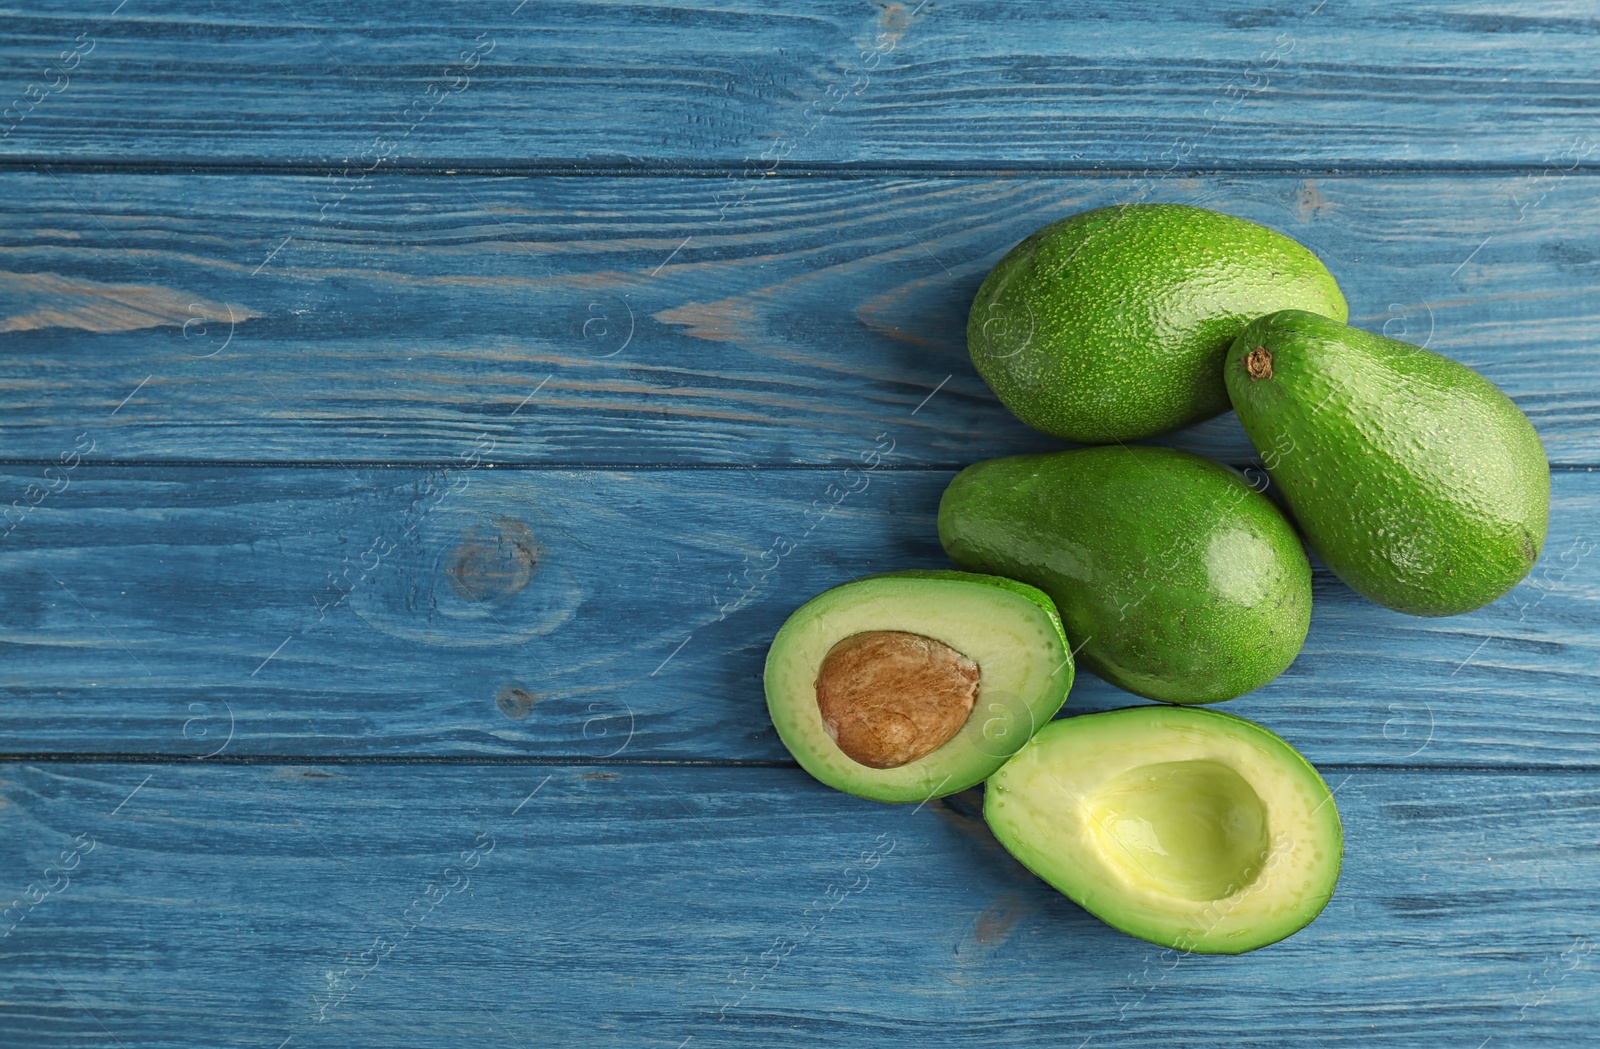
1190 828
912 685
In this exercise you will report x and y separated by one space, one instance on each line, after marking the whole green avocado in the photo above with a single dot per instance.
1416 480
1174 578
1111 325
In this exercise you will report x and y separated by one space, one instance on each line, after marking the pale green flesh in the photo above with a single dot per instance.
1189 828
1025 672
1192 828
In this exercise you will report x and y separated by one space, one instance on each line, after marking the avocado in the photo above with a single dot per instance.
1111 325
912 685
1189 828
1416 480
1175 579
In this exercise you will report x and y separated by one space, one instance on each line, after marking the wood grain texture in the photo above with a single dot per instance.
626 615
406 749
733 907
634 321
740 83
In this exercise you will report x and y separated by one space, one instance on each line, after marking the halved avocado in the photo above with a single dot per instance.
1190 828
912 685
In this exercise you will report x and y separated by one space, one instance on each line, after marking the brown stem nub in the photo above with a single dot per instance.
1259 363
889 697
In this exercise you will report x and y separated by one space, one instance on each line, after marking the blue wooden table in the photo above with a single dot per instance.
418 418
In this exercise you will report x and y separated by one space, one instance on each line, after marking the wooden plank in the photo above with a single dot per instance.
661 906
194 611
742 84
627 321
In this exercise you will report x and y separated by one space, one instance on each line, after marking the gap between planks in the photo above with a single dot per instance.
539 761
33 163
562 467
116 758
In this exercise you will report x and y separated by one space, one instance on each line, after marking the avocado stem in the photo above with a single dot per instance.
1259 364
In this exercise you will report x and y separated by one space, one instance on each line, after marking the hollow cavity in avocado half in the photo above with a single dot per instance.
913 685
1190 828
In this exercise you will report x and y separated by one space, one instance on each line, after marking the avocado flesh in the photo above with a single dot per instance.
1009 629
1417 481
1190 828
1112 324
1174 579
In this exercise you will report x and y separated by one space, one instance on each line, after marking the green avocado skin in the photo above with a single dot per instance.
1413 477
1111 325
1174 578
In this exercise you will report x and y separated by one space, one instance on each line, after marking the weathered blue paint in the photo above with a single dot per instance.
319 726
339 905
562 614
607 321
744 86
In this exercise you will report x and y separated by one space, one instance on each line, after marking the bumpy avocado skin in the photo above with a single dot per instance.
1111 325
1174 578
1416 480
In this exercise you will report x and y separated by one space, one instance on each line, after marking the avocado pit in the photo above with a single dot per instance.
889 697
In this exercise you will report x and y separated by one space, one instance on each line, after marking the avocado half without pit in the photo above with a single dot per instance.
1190 828
913 685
